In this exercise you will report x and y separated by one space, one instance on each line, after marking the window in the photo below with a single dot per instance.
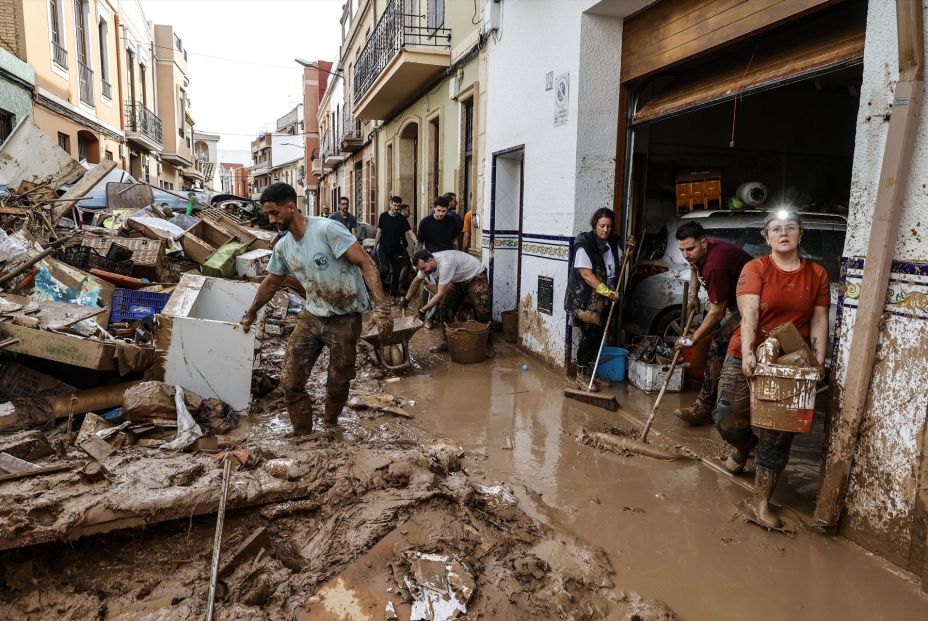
436 15
467 177
130 74
64 141
103 32
142 82
56 23
181 114
82 148
435 155
388 170
80 33
6 125
108 155
358 189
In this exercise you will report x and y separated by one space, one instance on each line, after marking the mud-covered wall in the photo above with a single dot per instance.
569 152
884 512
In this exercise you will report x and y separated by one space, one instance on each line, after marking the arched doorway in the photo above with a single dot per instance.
88 147
408 168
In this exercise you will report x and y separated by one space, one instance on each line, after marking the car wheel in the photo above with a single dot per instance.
669 325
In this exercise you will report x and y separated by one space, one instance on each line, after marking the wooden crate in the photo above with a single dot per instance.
698 190
147 254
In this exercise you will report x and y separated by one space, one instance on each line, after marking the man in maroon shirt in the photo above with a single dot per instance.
716 266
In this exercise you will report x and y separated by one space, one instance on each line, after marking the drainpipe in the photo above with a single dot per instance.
894 175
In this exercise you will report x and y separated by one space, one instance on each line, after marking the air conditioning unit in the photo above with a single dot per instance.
491 17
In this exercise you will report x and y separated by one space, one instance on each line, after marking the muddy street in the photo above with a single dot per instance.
670 529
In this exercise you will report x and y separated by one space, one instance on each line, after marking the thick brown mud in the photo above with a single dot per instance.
375 516
671 529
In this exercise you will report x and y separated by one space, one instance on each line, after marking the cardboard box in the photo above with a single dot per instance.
792 342
783 397
650 377
202 240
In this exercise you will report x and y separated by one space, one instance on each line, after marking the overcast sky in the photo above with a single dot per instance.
240 58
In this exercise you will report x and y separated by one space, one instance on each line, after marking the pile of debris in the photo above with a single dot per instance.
117 300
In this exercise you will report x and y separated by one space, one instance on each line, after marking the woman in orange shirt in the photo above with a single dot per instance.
772 290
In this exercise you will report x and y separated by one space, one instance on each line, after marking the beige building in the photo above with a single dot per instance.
347 162
414 82
72 45
173 107
143 127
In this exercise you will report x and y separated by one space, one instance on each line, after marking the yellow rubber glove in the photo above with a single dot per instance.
604 291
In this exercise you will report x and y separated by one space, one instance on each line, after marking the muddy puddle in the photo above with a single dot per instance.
670 529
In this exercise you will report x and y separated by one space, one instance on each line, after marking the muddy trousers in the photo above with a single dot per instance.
393 263
588 348
733 420
476 291
721 335
340 334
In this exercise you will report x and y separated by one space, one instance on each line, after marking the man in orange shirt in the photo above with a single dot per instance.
772 290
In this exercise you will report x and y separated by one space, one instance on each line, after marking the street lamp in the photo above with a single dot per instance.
306 63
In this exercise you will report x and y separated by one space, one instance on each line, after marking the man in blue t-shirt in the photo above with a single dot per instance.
340 279
344 216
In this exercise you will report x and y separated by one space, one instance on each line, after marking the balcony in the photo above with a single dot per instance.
143 127
259 167
85 83
59 55
406 51
330 155
352 138
205 168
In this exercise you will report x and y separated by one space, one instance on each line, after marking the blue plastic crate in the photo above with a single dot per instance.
129 305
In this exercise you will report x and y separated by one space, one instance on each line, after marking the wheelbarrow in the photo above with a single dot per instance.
403 329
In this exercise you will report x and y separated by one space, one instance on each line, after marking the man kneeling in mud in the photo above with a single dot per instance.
337 275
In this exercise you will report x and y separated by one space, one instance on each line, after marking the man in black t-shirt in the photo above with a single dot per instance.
439 231
391 231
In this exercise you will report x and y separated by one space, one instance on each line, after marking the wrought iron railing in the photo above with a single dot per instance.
85 83
142 120
403 23
59 55
107 89
351 128
205 168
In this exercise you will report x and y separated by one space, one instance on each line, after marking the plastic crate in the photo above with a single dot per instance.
86 258
129 305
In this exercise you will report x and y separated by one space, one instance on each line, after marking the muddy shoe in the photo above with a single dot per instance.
302 427
439 348
602 383
584 384
698 413
738 458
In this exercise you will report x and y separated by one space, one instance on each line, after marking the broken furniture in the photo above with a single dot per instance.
200 343
147 254
698 190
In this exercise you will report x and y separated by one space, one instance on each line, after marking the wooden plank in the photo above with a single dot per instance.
887 211
38 471
84 185
669 32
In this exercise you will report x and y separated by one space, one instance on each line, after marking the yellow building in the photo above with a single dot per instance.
72 45
173 108
419 74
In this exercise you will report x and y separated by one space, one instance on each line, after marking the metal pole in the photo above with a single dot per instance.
217 541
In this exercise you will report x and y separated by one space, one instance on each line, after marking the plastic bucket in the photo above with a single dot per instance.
783 398
612 364
510 320
467 341
697 357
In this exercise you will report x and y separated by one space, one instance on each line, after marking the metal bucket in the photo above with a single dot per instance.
467 341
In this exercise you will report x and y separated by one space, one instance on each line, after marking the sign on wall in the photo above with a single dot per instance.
561 98
545 295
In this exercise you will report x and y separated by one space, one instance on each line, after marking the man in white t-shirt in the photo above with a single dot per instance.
460 278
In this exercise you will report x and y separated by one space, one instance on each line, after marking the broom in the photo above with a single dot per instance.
607 402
